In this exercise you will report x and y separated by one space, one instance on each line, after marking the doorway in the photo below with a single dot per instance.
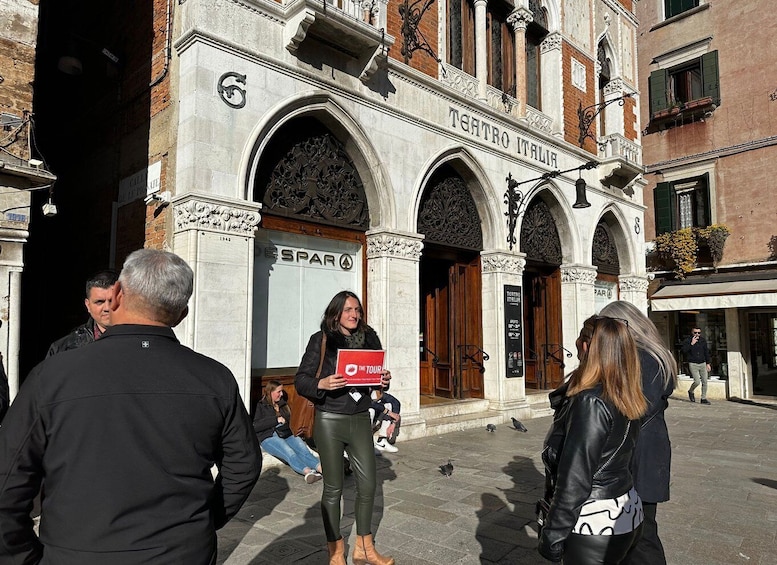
544 351
451 340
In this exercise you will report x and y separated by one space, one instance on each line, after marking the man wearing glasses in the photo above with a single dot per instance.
697 354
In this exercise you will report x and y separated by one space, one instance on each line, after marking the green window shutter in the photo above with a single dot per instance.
703 200
657 86
709 76
663 205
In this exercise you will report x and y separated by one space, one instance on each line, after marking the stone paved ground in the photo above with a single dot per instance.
723 509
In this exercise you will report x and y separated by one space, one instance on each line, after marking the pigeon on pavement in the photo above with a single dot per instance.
518 425
447 469
490 428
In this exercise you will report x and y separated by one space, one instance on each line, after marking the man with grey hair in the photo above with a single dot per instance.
125 432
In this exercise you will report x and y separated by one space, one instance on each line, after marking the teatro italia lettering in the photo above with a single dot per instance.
493 134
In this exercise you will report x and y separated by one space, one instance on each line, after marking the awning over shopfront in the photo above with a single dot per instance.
734 294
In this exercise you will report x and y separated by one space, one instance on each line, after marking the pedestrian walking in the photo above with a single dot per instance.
697 355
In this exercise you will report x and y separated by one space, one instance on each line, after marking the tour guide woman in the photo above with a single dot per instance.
342 422
595 514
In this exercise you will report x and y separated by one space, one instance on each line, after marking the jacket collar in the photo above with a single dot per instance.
139 329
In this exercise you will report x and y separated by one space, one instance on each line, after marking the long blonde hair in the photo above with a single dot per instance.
646 336
613 362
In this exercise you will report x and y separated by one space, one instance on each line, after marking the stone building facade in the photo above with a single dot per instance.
306 147
710 136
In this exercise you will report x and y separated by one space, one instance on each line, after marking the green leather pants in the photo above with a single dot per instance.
352 433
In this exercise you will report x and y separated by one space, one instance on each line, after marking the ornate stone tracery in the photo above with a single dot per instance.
448 214
604 254
315 180
539 236
201 214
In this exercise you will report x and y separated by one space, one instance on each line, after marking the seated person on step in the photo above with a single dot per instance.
272 426
385 420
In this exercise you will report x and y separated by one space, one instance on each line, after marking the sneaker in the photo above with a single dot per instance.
383 445
705 401
312 477
691 396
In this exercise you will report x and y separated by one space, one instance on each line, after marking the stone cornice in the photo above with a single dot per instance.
208 213
578 274
394 244
502 263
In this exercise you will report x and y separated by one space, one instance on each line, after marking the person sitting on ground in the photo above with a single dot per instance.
385 420
272 424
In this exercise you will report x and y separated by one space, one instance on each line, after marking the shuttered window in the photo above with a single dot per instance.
674 7
682 204
694 80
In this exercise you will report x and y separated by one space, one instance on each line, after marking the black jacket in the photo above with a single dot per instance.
82 335
698 352
125 432
652 459
588 452
338 401
5 396
265 418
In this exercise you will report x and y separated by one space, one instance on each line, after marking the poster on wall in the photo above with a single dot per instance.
513 331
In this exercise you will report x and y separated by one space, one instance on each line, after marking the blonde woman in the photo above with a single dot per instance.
595 513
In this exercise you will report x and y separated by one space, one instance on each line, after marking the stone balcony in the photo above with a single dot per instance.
621 160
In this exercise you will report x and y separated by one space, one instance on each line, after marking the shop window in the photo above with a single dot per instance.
682 204
686 90
674 7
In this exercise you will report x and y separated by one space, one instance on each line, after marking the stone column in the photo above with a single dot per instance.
481 47
499 269
634 289
393 304
552 81
577 303
215 235
519 19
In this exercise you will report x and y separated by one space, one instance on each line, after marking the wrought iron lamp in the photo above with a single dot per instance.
412 38
516 201
587 115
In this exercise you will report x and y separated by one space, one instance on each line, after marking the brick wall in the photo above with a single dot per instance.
573 96
630 119
420 60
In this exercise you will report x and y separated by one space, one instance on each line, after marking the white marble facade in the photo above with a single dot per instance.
397 131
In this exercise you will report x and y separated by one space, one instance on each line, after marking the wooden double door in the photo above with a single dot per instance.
451 342
544 353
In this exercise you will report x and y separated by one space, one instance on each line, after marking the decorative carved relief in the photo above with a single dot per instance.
633 284
581 275
461 81
198 214
604 254
502 263
537 119
448 214
393 245
551 43
315 180
519 19
615 86
539 236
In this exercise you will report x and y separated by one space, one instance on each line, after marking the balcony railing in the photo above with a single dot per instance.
538 120
615 145
372 12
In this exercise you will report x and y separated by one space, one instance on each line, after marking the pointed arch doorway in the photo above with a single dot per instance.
543 341
451 340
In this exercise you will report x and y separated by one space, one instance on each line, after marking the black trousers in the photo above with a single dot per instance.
598 550
648 550
352 433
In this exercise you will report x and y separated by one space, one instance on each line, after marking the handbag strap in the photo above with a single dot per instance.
323 352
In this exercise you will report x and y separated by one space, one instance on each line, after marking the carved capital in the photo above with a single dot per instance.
578 274
520 18
551 43
633 284
391 244
205 214
502 263
615 86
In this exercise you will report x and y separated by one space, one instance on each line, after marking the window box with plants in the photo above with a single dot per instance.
681 247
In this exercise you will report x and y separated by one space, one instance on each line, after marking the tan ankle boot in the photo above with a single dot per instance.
364 553
336 552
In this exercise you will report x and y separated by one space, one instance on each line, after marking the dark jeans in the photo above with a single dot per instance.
598 550
352 433
648 549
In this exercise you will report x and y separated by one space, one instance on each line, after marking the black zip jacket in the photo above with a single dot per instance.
588 453
265 418
337 401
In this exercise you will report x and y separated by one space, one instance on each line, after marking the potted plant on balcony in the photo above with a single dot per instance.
714 237
682 246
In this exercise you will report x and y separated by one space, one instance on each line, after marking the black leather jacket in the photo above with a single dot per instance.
79 337
587 455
